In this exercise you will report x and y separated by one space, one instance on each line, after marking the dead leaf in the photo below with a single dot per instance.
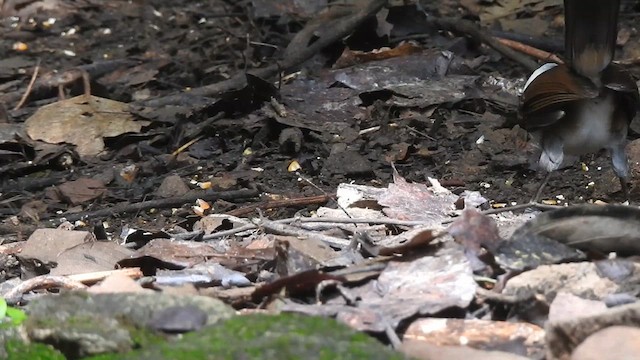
91 256
174 254
81 191
33 209
301 254
172 186
297 284
46 244
408 241
414 201
225 181
475 230
83 122
404 289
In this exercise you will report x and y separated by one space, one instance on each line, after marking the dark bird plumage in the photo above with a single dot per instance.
585 105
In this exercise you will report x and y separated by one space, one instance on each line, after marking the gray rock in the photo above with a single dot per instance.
79 324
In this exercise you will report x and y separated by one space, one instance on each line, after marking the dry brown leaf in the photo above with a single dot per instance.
415 201
83 122
91 256
81 190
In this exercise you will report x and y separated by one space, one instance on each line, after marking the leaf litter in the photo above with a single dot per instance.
418 261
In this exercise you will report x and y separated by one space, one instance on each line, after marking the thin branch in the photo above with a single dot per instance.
531 51
161 203
24 98
471 29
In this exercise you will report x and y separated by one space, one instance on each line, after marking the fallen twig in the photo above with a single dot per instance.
471 29
161 203
371 221
545 44
530 50
94 277
320 199
289 221
41 282
24 98
284 229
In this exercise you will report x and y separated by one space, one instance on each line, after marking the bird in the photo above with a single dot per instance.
585 104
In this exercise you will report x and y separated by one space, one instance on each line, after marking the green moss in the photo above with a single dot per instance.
17 350
144 337
267 337
77 323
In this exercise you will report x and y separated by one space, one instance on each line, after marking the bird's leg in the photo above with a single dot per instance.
621 167
625 188
86 83
539 191
552 152
550 159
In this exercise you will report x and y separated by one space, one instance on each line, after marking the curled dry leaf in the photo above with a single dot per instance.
598 228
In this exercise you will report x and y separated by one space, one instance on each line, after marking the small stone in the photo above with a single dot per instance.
615 342
179 319
172 186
